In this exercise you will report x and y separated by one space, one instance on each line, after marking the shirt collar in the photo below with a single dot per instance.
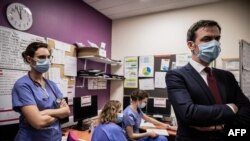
197 66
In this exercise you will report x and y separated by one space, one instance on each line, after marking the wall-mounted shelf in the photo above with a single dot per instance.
101 60
96 55
98 77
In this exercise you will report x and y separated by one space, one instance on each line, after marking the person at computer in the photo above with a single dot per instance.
133 115
107 129
207 101
38 100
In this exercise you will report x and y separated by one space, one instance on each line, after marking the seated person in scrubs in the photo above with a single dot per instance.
38 100
108 130
133 114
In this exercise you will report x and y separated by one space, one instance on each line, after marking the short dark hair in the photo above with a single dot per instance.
32 48
191 34
138 95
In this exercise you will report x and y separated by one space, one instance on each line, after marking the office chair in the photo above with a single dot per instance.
72 136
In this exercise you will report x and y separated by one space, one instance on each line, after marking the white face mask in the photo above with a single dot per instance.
142 105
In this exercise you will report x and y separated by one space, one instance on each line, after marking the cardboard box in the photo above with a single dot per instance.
91 51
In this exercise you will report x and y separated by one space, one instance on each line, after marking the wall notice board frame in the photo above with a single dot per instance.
232 65
157 92
245 67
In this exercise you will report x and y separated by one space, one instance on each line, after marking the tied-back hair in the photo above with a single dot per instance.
191 34
109 112
31 49
138 95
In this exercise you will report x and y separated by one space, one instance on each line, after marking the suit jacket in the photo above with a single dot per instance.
194 105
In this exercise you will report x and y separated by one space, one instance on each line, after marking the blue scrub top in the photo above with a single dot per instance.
133 119
108 132
25 92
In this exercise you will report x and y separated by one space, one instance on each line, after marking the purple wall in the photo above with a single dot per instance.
69 21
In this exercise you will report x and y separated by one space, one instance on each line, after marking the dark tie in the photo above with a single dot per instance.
213 85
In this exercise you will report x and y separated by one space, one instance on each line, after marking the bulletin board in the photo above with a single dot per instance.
245 67
156 92
232 65
70 79
72 53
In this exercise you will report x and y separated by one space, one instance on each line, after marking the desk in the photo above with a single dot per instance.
171 132
86 135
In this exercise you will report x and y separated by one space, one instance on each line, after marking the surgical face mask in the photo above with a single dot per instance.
119 118
42 65
142 105
209 51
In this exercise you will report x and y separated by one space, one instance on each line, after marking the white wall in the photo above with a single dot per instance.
165 33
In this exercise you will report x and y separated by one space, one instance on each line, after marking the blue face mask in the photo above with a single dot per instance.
209 51
119 118
42 65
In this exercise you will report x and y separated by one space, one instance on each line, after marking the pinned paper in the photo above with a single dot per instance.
103 45
160 80
146 66
165 64
160 102
146 84
92 44
85 101
80 44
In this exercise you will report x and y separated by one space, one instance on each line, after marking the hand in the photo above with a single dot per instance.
63 103
172 128
167 126
152 134
233 107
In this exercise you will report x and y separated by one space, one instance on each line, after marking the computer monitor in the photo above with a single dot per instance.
154 109
84 109
126 102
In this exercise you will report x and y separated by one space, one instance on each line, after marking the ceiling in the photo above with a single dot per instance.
117 9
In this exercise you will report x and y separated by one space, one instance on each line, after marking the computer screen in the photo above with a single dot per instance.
83 110
158 109
126 102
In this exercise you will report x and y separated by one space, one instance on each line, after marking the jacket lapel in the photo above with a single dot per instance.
193 73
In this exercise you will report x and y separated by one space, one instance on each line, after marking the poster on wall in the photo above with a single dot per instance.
131 83
12 44
146 66
131 72
182 59
7 80
146 84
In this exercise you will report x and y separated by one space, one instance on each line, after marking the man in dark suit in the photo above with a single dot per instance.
208 102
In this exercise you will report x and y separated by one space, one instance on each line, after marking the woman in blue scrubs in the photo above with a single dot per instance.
38 100
133 114
108 130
